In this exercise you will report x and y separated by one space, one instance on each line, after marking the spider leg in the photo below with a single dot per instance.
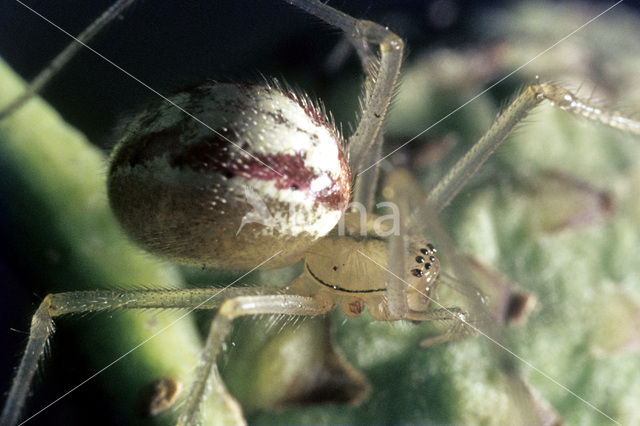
364 189
61 59
532 96
286 304
406 194
58 304
459 324
381 79
396 285
41 330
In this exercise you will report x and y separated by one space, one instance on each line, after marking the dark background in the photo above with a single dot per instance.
169 46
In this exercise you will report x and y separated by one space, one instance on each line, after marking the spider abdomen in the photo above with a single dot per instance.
250 171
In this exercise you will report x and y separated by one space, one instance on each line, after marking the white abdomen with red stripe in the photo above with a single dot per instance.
271 176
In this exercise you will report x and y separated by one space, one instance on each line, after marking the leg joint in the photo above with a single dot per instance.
558 96
375 33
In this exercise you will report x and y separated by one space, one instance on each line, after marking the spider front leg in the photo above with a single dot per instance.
483 300
408 299
381 79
